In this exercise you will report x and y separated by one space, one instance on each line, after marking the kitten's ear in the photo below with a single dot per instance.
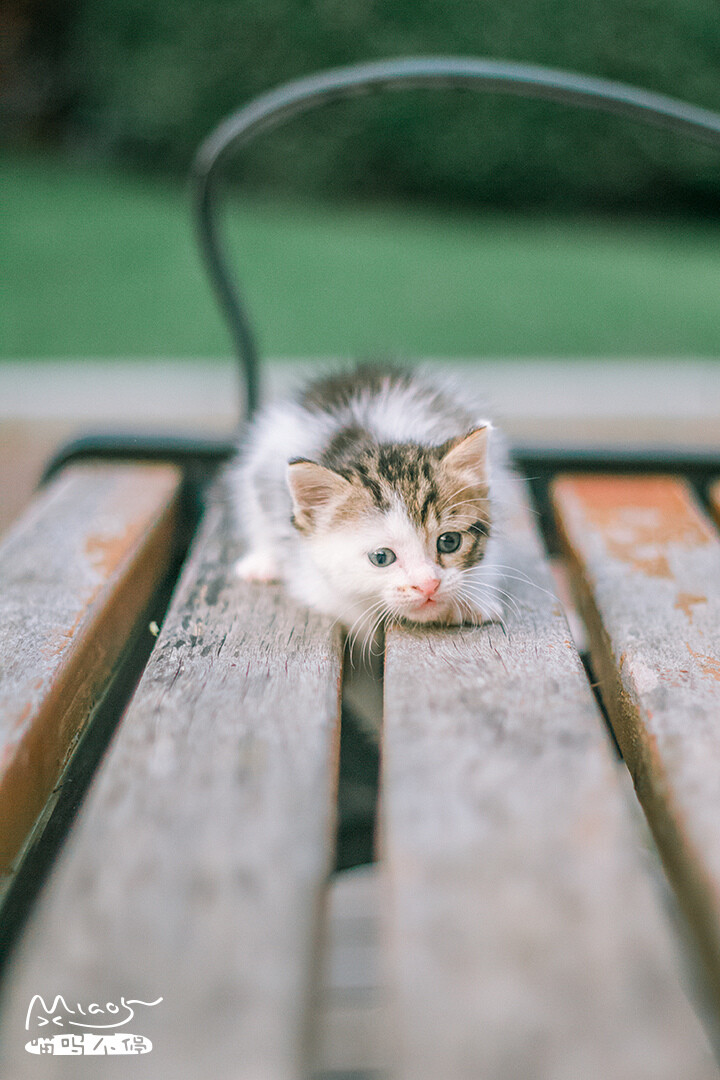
469 454
313 488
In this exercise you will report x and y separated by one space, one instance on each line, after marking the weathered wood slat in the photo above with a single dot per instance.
525 935
196 871
646 566
715 499
75 574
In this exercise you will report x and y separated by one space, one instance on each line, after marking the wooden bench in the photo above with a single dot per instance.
517 923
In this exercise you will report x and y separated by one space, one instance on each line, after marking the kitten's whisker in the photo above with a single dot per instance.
456 506
481 599
375 616
370 637
510 599
474 600
534 584
354 634
360 635
469 615
475 579
463 521
471 612
448 508
460 490
521 575
495 588
488 592
380 621
514 569
496 501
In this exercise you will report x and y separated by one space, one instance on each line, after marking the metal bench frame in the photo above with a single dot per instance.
270 110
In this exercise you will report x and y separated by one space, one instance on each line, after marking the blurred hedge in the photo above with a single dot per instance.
143 80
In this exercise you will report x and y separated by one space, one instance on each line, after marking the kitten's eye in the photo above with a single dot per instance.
382 557
448 542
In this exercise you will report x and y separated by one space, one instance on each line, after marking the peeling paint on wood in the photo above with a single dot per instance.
65 616
663 695
686 602
197 868
524 933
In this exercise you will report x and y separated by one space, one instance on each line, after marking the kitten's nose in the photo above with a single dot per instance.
428 587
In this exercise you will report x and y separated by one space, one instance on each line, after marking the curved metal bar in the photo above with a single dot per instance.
274 108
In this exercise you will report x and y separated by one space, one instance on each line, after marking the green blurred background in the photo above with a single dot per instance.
414 223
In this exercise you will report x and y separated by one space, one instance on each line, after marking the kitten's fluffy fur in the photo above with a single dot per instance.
371 461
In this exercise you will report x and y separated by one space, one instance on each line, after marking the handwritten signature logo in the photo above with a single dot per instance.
99 1021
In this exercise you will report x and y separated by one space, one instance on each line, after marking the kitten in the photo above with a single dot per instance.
372 497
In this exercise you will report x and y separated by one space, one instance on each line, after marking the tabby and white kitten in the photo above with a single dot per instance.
373 497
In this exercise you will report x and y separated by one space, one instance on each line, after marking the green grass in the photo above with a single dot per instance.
105 265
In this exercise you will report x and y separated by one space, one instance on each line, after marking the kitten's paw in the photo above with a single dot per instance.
257 566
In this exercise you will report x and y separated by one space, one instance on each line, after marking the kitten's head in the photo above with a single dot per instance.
394 527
